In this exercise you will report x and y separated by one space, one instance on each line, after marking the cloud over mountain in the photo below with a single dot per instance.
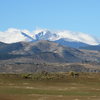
14 35
79 36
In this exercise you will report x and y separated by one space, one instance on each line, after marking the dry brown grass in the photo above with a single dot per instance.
85 87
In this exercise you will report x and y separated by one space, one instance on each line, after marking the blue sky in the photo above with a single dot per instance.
74 15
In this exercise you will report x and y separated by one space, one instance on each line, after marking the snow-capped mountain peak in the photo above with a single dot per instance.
46 35
67 36
15 35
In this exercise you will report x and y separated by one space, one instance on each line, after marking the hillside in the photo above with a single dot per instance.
29 56
44 50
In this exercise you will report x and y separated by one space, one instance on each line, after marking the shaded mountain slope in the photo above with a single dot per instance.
91 47
73 44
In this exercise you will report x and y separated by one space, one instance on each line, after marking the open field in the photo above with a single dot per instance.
84 87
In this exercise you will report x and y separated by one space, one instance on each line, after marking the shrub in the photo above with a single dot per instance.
27 76
74 74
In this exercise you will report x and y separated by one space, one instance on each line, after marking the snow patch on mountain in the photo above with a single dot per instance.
45 35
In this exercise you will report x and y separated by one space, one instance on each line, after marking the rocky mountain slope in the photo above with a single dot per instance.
46 51
25 55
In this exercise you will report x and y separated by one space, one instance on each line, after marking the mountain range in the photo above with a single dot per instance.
46 51
51 52
46 55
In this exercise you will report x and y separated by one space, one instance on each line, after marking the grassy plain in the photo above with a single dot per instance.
61 86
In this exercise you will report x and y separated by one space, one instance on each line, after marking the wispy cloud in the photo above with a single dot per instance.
78 36
12 35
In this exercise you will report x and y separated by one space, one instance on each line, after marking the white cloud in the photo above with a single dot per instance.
14 35
78 36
